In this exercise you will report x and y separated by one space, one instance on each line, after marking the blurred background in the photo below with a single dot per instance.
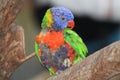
96 21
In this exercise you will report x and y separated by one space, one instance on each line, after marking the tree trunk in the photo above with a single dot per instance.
8 12
11 51
11 38
102 65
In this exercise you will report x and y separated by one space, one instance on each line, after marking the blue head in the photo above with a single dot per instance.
62 18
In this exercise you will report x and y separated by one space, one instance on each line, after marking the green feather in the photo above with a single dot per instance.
51 71
76 42
47 20
44 22
77 60
36 51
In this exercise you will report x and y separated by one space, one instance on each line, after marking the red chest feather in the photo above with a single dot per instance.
53 39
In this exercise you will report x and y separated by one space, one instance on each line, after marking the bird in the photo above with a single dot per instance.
57 46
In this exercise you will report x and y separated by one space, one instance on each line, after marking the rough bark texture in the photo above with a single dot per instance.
102 65
11 51
11 38
8 12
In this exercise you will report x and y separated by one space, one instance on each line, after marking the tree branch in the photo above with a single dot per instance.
11 51
11 38
102 65
27 57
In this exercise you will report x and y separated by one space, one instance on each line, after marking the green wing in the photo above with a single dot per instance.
36 51
76 42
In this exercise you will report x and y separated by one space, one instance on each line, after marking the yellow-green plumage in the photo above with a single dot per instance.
47 20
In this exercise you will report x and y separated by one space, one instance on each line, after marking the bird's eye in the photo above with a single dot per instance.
62 18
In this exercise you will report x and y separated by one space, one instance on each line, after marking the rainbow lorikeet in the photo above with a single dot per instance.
57 46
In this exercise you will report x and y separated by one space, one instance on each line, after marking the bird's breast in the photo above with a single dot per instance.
53 39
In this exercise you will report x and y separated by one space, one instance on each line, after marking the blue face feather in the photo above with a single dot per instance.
61 16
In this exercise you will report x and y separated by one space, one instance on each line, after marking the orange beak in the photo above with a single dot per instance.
71 24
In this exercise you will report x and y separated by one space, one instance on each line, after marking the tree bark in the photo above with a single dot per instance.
8 12
102 65
11 38
11 51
